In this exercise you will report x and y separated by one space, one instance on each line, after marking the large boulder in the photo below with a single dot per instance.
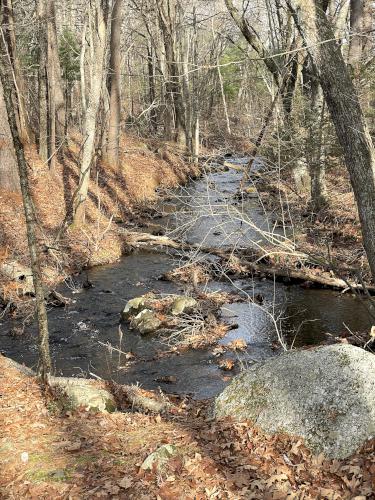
325 395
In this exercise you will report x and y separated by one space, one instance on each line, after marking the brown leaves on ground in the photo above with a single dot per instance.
113 193
86 455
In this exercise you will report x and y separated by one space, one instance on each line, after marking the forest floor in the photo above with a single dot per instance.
115 196
331 236
46 454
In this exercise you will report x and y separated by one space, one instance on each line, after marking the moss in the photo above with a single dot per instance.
344 359
244 400
40 475
85 459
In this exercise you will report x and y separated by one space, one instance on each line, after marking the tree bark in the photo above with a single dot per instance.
167 22
57 111
23 120
114 87
98 37
44 354
9 179
43 134
346 113
315 147
356 27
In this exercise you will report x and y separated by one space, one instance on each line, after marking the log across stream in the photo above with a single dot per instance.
197 213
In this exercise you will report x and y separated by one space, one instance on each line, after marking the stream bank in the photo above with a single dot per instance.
85 334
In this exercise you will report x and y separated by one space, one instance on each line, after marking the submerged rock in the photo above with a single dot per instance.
325 395
146 322
183 305
160 457
76 392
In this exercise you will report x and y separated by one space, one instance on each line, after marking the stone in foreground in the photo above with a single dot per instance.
76 392
325 395
160 457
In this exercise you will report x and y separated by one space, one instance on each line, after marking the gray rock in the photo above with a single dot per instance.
183 305
160 457
133 306
76 392
146 322
325 395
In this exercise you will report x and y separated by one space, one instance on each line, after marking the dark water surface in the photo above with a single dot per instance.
200 214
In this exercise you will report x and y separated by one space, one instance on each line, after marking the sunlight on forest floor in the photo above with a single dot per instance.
84 455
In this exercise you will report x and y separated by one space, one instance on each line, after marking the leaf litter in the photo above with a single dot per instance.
87 455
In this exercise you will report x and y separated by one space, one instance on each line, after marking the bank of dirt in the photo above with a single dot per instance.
115 195
46 454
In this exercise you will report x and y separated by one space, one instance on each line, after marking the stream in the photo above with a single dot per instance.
81 332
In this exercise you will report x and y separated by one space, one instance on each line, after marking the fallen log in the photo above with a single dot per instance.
324 279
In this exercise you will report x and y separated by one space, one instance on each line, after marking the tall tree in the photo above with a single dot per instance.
114 85
345 109
43 133
6 77
55 87
97 27
9 179
167 15
22 115
356 28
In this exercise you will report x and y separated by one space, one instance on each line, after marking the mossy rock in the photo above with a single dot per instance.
324 395
75 392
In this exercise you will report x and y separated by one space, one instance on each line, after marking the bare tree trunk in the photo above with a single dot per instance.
26 133
368 25
356 27
98 37
316 157
167 21
9 179
83 74
44 354
43 133
346 113
57 115
114 88
223 98
152 89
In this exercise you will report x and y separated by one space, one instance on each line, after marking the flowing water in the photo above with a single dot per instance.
205 212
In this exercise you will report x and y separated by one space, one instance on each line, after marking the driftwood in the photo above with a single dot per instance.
56 299
324 279
138 399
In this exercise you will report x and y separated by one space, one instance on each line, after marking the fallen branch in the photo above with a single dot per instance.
138 240
138 399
